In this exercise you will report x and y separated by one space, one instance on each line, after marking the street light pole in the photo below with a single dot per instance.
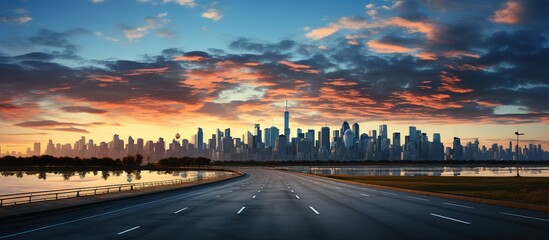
517 151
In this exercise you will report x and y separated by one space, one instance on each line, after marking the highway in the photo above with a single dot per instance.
270 204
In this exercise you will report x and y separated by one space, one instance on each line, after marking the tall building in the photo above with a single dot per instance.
287 123
131 147
396 146
383 131
344 127
325 137
356 130
413 134
310 135
200 142
257 133
37 151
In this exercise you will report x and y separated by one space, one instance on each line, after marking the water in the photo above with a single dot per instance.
31 181
425 171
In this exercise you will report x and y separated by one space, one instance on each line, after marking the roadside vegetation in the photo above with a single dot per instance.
532 190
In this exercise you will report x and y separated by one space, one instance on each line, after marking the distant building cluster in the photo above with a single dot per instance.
344 144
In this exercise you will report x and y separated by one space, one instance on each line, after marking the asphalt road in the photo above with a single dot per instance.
269 204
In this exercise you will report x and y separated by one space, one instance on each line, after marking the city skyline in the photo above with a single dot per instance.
473 69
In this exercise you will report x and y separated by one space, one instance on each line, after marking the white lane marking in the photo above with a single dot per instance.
422 199
369 189
338 187
288 187
366 195
218 195
178 211
449 218
125 231
457 205
258 190
522 216
242 209
253 196
261 187
292 190
389 193
314 210
230 190
297 196
92 216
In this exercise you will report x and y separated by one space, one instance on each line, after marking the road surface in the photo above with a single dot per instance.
270 204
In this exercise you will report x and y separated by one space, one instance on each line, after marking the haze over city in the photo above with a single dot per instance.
465 69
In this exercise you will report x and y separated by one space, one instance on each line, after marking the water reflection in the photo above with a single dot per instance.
426 171
29 181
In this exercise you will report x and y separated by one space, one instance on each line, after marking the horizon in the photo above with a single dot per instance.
465 69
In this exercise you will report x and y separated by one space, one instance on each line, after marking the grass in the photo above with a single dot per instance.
532 190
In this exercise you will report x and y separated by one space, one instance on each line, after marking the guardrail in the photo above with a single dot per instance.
29 197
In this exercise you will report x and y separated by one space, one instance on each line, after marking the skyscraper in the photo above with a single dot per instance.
287 123
356 130
396 146
200 142
37 150
257 133
325 137
344 127
383 131
310 135
267 137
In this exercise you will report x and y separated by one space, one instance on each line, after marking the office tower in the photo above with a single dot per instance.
344 127
348 139
139 146
257 133
212 145
36 151
219 137
457 149
310 135
325 138
50 148
383 131
131 147
373 134
267 138
396 146
159 149
103 150
356 130
299 131
287 123
200 142
227 132
274 134
413 134
281 147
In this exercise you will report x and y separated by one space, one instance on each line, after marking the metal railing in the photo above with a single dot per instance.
30 197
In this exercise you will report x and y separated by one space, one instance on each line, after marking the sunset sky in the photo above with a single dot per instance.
148 68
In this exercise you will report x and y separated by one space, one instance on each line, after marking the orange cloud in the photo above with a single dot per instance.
106 79
423 27
381 47
143 71
508 15
323 32
459 54
435 101
252 64
299 67
449 82
426 56
189 58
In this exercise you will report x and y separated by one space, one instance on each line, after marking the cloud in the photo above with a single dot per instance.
185 3
82 109
381 47
212 14
158 22
15 20
97 1
508 15
104 37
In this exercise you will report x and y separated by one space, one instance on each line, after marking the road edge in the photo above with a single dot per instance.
239 174
446 195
